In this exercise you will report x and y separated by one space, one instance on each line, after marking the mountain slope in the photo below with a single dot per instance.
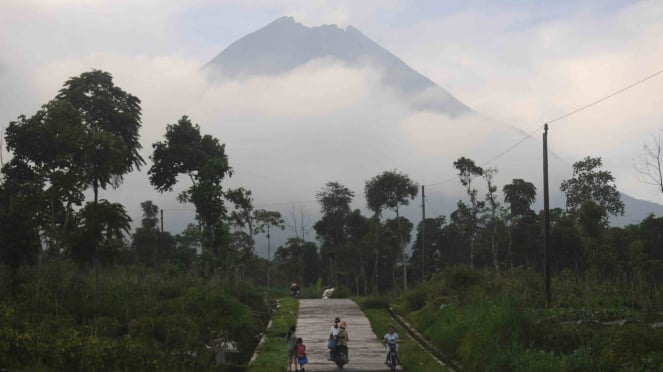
368 139
285 44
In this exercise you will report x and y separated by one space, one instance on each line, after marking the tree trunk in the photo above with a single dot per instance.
472 249
510 250
375 271
402 247
494 248
95 242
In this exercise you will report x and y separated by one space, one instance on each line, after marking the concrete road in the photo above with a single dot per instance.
316 316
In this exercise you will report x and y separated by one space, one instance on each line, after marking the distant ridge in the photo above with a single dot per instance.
285 44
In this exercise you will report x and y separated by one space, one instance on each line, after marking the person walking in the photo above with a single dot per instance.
292 348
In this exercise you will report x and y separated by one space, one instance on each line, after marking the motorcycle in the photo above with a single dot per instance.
392 357
340 356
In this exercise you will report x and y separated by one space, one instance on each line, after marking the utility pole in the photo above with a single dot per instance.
546 217
423 233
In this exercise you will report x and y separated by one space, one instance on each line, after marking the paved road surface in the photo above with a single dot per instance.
316 316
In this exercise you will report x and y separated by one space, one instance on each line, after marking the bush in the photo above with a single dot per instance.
375 303
341 292
462 281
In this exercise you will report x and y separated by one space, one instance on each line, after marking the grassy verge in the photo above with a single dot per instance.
273 354
412 356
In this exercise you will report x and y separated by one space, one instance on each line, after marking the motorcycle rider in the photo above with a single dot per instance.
391 338
294 289
333 333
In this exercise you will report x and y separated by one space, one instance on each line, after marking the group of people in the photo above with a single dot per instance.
296 351
338 341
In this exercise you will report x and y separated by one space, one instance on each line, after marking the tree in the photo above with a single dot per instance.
145 239
399 233
87 137
243 214
390 190
520 195
265 220
334 201
48 167
204 161
493 205
105 221
590 183
290 257
111 117
434 240
467 171
650 164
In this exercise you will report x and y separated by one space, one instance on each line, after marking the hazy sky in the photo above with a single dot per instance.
517 62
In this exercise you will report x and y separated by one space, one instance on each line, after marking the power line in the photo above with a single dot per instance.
606 97
564 116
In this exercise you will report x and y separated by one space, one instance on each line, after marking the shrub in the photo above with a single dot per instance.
375 303
341 292
462 280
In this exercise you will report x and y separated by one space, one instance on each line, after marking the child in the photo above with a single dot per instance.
301 354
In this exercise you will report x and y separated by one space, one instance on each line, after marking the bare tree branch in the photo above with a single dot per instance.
650 164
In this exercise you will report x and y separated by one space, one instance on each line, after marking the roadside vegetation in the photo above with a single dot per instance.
273 354
413 357
501 324
138 320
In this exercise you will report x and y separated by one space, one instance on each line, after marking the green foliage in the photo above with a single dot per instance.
203 159
139 320
591 183
491 323
412 356
341 292
375 303
273 354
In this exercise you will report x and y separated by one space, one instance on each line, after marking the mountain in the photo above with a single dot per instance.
285 44
328 147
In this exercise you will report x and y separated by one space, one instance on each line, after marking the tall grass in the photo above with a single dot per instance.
499 324
412 356
273 354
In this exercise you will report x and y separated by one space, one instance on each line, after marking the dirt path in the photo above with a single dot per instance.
316 316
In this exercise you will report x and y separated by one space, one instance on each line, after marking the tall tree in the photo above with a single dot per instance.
493 207
591 183
112 119
203 159
520 195
48 167
266 220
242 216
334 201
146 239
290 257
391 190
467 171
434 240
